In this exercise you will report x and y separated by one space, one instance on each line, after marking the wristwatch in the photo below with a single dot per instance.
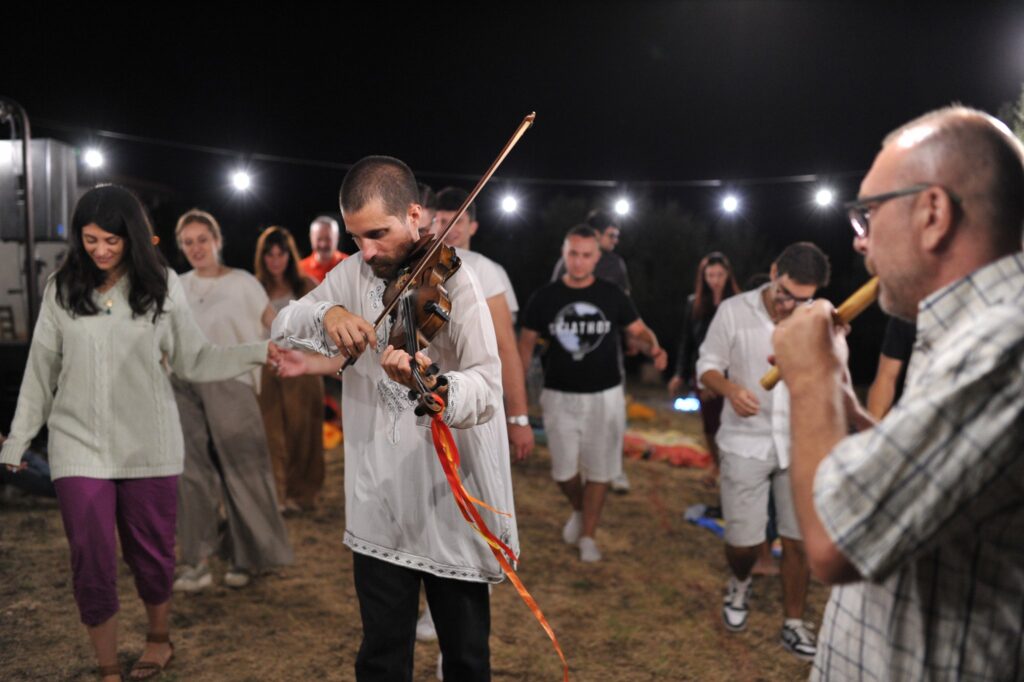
519 420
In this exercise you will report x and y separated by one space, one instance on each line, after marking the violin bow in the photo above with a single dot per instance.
439 240
858 302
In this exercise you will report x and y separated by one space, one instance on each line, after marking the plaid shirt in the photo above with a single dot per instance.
929 505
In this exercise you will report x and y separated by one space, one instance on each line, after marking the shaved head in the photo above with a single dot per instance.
973 155
379 177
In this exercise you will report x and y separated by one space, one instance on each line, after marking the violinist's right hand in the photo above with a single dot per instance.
350 333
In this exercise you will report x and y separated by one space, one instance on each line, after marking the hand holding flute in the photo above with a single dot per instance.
850 308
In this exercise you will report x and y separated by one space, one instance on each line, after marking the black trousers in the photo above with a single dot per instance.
388 603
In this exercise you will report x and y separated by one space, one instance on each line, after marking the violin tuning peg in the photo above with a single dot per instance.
433 370
413 395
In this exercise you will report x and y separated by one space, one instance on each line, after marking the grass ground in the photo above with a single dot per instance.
649 611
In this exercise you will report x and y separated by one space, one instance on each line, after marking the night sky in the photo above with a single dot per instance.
635 93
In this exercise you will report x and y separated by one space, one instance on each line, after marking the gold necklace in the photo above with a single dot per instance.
108 304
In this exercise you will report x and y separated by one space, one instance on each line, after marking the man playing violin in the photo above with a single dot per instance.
918 518
501 301
401 520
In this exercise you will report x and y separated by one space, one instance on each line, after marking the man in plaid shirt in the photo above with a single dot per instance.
919 519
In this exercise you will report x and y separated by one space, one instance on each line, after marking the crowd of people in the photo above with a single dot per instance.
174 420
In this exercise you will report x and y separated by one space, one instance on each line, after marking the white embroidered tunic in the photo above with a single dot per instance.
398 505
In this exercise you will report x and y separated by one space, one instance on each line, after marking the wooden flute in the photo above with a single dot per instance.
858 302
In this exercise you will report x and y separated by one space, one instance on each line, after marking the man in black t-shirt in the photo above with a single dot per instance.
897 346
582 318
610 265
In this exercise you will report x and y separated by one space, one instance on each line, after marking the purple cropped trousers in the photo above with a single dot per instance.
144 511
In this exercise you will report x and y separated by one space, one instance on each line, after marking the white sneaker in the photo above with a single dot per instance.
425 630
572 528
798 639
588 550
193 579
735 610
620 484
237 577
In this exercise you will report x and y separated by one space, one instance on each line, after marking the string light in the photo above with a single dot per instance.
622 206
824 197
93 158
509 204
730 203
241 180
554 182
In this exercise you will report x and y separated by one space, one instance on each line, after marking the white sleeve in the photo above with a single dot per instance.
191 355
474 393
510 293
300 324
35 399
714 351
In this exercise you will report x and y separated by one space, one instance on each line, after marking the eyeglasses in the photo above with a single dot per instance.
784 295
859 211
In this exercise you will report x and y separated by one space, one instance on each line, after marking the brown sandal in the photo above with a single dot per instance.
143 670
107 670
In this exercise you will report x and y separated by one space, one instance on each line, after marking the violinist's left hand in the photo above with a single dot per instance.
398 366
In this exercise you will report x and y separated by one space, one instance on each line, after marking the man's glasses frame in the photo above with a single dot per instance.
784 294
859 210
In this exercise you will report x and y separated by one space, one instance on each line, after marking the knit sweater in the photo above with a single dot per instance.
99 383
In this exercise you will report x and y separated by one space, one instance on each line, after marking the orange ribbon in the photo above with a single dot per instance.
448 454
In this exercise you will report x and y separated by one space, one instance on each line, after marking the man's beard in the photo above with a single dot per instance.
387 268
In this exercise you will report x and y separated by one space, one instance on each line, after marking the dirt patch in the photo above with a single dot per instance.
649 611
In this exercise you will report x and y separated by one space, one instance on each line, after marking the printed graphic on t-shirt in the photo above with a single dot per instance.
579 328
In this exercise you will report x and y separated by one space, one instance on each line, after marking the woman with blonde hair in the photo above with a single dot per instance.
292 408
226 457
111 316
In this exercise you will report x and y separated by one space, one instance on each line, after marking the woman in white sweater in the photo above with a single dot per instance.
226 456
96 377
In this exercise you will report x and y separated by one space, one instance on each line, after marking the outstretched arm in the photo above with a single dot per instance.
527 342
513 377
648 342
292 363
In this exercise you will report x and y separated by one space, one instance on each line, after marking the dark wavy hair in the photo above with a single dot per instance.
118 211
281 238
703 299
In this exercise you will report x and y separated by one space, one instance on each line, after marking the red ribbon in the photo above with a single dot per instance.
448 455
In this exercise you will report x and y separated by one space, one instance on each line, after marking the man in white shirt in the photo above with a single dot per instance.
754 436
501 301
402 521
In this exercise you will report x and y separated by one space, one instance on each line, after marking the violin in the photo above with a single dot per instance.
422 311
432 263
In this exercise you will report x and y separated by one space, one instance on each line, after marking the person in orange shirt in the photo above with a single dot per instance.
323 237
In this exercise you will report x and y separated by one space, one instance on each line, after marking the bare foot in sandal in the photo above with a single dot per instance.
155 657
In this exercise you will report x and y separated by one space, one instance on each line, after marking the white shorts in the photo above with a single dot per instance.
744 484
585 432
